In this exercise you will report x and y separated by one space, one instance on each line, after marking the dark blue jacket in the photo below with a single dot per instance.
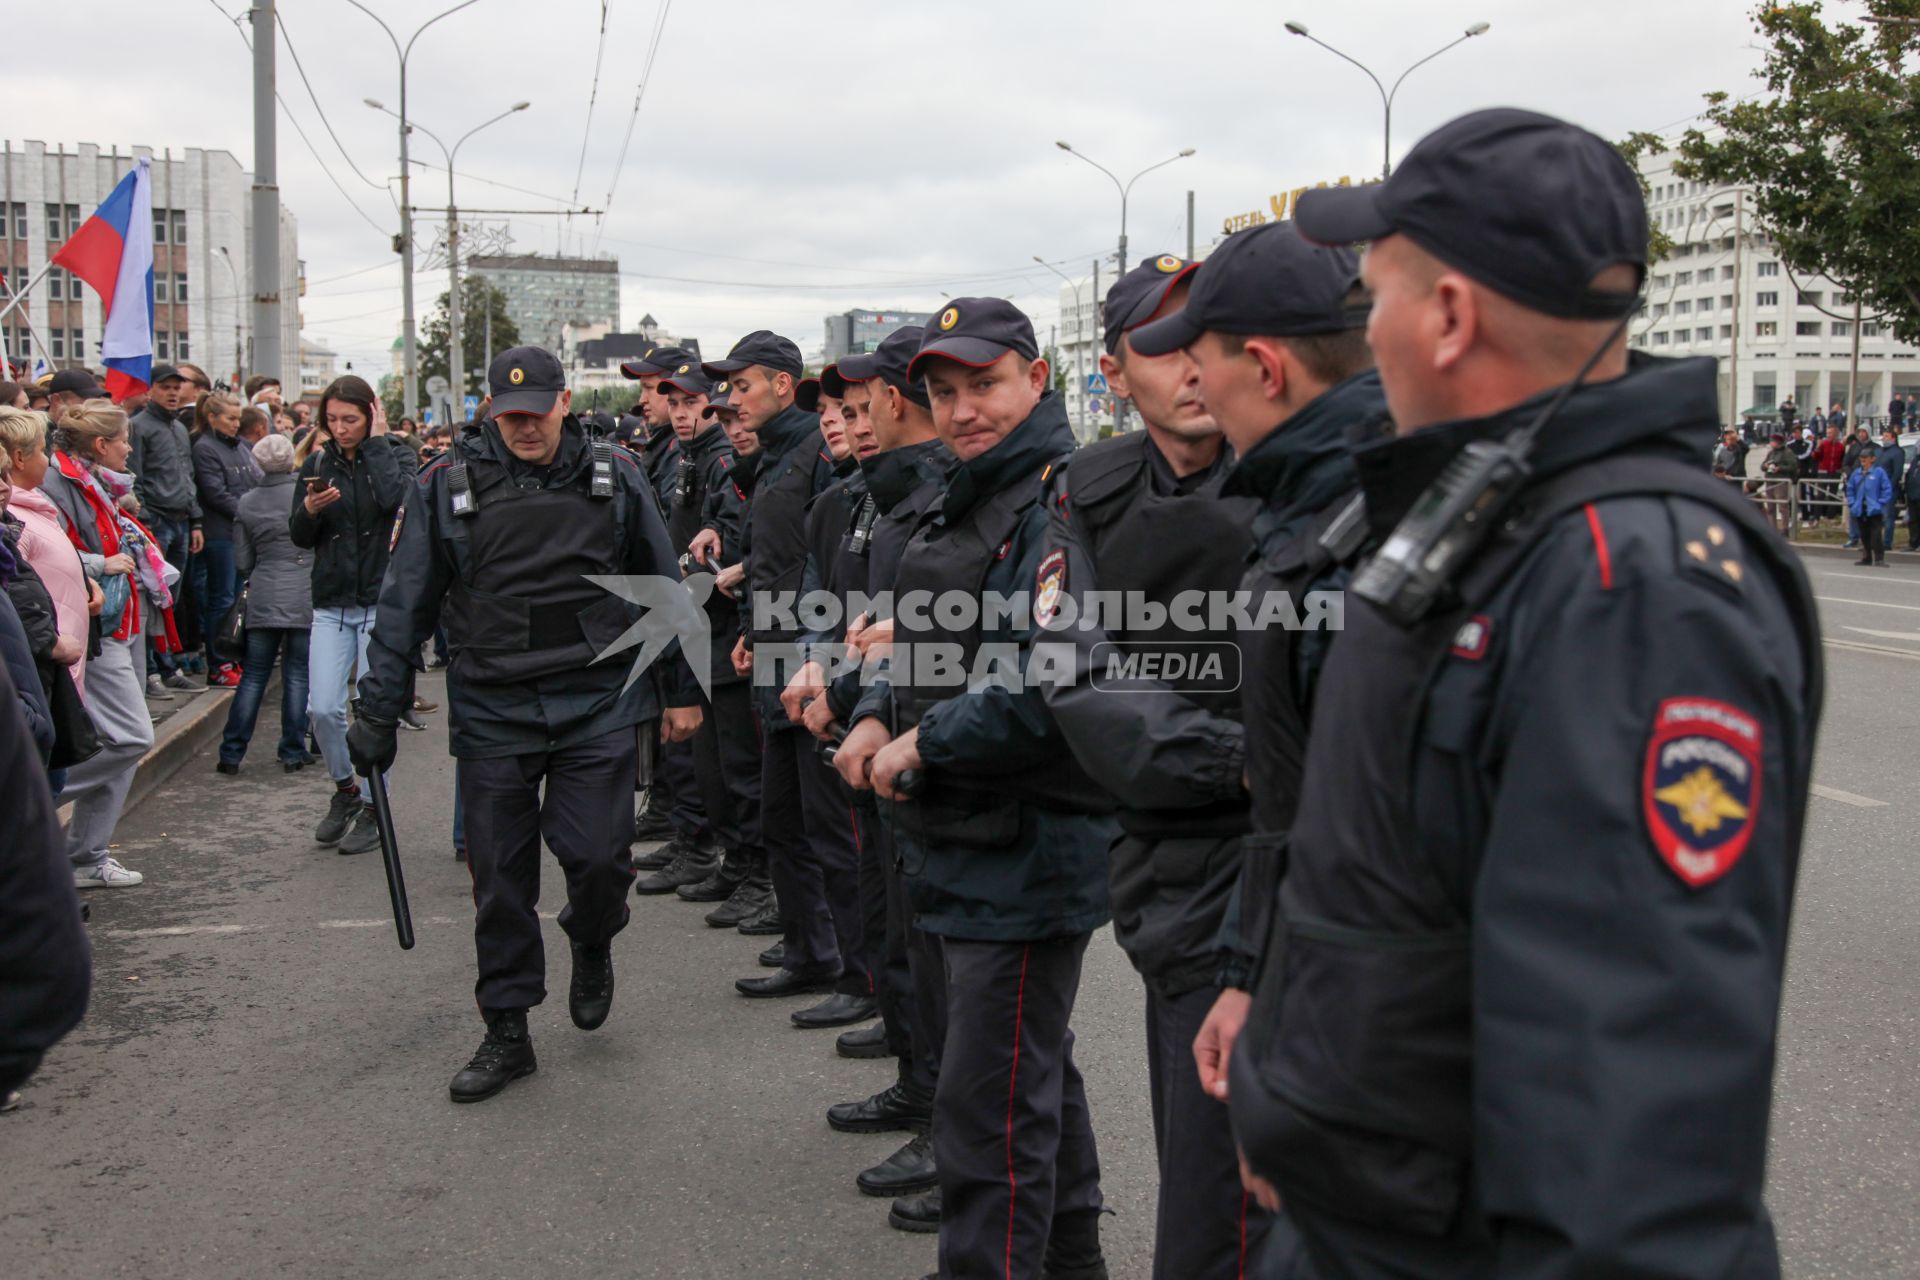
1869 491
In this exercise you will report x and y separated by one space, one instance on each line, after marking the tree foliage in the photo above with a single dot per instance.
1828 150
476 297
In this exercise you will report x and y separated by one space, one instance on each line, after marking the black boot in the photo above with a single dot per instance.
691 867
837 1010
747 899
774 957
863 1042
672 851
648 825
919 1214
765 922
894 1107
590 996
1073 1247
503 1057
906 1171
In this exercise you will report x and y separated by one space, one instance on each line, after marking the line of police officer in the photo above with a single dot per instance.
1462 871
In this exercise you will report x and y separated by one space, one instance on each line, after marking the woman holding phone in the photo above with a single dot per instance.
352 480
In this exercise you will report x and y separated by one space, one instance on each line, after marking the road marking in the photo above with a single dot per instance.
1847 797
1883 635
1912 655
1877 604
183 930
1871 577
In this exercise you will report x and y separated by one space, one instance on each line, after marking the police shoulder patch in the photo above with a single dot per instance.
1048 586
1700 789
399 523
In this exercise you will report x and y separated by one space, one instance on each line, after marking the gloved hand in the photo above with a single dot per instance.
372 744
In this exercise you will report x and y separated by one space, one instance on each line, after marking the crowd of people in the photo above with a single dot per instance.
1865 483
1446 970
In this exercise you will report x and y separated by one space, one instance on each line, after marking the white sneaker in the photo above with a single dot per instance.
108 875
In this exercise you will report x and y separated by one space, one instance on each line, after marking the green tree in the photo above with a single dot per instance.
1828 150
477 297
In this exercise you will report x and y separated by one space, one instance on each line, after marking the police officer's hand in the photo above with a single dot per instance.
873 641
808 683
742 658
1213 1047
818 717
196 542
372 743
728 580
705 546
894 759
677 724
855 755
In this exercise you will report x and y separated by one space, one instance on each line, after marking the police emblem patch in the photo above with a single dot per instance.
683 368
720 388
1048 586
1470 641
1700 790
1168 263
517 376
399 522
949 318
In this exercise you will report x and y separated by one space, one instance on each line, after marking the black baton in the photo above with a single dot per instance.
390 858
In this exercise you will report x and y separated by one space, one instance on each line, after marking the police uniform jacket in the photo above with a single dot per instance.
1538 883
793 467
524 624
660 456
1007 840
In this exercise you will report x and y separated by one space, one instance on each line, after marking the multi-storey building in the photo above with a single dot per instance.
858 332
546 293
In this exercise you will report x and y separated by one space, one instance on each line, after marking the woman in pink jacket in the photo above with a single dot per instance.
43 542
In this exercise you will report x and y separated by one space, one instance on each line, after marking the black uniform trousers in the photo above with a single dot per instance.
1011 1134
807 823
581 813
886 918
927 973
1207 1226
676 781
726 758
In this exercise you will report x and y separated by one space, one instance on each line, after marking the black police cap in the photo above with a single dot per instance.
688 376
762 347
1531 207
525 380
719 400
1264 280
656 361
806 394
975 332
1139 293
890 361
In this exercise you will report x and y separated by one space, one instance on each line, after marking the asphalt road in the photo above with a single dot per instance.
260 1087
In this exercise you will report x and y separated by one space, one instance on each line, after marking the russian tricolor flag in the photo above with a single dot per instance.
113 252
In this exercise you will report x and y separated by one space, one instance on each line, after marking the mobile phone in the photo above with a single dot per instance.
315 484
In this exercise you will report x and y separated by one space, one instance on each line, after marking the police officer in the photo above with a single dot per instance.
1143 515
1538 885
502 530
1003 852
809 845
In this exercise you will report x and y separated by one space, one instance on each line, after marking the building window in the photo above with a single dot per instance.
1682 278
1767 298
1726 273
1703 335
1766 329
1841 329
159 286
1726 332
1807 329
1682 307
1807 298
180 287
180 347
1659 310
1766 269
78 337
56 287
53 223
1660 339
1870 329
179 226
1705 304
57 338
1842 299
160 346
1726 301
159 226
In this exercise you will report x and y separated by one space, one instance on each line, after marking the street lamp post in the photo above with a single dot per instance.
410 372
1386 94
456 346
1079 376
239 369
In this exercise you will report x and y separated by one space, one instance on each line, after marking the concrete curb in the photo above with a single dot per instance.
175 740
1827 551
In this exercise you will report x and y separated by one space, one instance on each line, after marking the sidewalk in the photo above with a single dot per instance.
182 725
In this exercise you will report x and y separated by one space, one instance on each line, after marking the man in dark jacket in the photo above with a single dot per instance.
224 471
1894 461
168 499
1003 845
508 531
1538 887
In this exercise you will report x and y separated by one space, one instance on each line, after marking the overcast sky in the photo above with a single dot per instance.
796 159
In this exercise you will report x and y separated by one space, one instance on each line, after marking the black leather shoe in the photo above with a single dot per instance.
227 767
686 869
837 1010
648 825
746 900
774 957
655 860
919 1214
906 1171
715 888
590 995
863 1042
891 1108
765 922
503 1057
785 982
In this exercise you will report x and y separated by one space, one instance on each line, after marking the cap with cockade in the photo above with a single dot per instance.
525 380
975 332
1262 281
762 347
889 362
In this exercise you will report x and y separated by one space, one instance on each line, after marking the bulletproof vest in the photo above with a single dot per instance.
521 607
778 525
695 470
1375 1065
958 557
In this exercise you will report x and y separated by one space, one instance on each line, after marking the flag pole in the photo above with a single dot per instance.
20 294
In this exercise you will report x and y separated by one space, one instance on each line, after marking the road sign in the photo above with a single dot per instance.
1097 384
437 385
1096 405
426 417
472 407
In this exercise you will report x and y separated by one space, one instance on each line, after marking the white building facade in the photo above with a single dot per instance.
1724 292
203 289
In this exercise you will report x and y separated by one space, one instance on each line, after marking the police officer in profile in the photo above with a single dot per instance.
1143 515
1004 842
1538 885
495 542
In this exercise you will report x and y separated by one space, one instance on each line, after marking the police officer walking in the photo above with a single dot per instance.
1538 885
502 529
1142 515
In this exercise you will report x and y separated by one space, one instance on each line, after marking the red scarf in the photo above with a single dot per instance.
108 527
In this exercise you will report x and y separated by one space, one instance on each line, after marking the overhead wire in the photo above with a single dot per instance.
639 96
593 96
288 37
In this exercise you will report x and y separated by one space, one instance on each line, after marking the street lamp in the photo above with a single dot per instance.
1124 189
239 369
1079 375
410 370
456 347
1386 94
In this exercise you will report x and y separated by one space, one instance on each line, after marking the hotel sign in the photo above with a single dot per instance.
1279 206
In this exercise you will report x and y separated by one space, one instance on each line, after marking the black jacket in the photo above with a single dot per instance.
1539 882
350 538
224 472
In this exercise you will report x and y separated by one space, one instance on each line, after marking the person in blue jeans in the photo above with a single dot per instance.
279 610
1870 498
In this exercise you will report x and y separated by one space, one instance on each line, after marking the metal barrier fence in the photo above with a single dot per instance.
1792 505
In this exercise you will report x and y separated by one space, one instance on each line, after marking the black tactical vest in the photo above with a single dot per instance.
521 607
